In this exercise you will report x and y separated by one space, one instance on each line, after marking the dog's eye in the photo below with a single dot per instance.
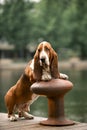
47 49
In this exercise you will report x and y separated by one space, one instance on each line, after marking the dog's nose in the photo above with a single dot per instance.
43 59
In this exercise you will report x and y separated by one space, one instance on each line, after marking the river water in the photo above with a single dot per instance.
75 100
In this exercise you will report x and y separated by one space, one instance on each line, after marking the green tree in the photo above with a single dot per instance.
1 21
50 21
82 27
16 23
64 24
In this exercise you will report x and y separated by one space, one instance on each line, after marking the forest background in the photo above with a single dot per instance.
25 23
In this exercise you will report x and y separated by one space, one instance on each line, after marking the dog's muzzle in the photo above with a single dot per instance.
43 61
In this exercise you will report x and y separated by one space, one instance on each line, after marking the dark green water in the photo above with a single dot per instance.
75 100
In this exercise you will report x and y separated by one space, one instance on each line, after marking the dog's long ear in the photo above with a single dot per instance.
37 67
54 64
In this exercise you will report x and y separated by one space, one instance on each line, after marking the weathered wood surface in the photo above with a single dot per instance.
34 124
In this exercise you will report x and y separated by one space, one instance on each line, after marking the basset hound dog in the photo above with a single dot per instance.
44 66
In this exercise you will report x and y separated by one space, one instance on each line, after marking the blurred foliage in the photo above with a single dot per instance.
61 22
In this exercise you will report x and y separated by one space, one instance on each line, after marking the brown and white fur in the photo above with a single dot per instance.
44 66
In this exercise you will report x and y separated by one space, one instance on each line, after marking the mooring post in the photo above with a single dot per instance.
54 90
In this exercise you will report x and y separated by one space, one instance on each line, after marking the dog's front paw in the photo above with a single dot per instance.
46 77
63 76
13 118
27 115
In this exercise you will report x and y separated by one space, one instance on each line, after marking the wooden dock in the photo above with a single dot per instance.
34 124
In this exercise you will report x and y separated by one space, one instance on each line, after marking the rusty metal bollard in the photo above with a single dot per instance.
54 90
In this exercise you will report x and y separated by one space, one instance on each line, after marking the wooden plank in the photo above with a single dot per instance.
34 124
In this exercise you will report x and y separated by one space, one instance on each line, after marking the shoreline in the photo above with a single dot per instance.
69 64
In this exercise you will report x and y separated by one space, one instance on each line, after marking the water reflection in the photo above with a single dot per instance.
7 79
75 100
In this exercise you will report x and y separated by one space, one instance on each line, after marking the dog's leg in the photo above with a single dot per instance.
23 112
13 118
25 108
10 104
26 115
11 115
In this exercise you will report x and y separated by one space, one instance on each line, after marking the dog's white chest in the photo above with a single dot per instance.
46 74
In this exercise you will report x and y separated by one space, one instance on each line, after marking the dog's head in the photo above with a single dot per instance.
45 56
